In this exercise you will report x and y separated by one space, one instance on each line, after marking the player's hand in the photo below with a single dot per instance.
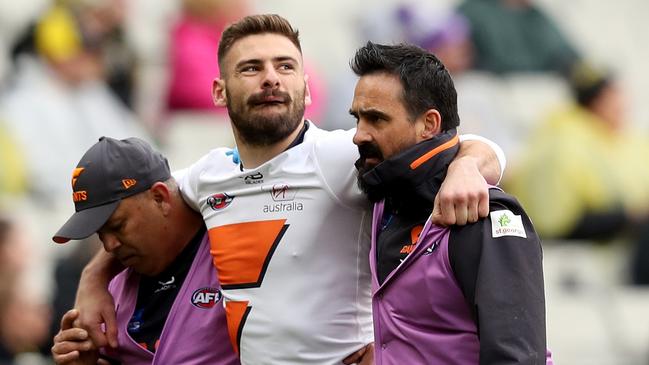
463 196
364 356
72 346
96 307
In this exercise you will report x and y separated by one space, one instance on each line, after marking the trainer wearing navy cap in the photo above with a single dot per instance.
110 171
123 191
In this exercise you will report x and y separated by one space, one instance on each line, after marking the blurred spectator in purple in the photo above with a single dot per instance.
193 56
516 36
444 33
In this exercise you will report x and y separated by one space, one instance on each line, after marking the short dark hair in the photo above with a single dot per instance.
257 24
426 82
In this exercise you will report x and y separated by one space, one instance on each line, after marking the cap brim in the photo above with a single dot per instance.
84 223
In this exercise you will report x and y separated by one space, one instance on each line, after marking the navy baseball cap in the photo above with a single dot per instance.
110 171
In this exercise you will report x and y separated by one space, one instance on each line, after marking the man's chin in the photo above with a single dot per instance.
368 164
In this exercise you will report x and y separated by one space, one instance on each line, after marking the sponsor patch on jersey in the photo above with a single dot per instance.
206 298
506 223
283 192
219 201
283 207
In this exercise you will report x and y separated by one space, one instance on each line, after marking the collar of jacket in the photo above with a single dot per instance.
413 177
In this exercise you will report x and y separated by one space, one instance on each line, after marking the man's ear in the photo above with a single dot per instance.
432 124
161 196
307 91
219 96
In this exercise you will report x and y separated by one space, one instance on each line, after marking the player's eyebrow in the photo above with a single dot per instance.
258 61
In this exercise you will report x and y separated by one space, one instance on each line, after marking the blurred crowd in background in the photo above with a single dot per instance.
559 86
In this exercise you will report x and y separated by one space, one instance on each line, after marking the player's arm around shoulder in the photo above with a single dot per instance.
463 196
335 155
501 276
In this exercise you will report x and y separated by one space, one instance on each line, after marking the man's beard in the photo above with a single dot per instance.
266 130
367 150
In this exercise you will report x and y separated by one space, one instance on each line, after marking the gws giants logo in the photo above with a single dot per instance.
81 195
206 298
219 201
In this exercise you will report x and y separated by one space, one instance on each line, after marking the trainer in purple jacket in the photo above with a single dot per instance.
168 299
441 295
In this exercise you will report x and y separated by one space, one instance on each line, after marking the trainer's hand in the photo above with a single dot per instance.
364 356
96 307
72 346
463 196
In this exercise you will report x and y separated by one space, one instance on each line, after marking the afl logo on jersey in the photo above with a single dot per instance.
219 201
206 298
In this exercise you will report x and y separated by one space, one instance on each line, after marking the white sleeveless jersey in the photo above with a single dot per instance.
290 241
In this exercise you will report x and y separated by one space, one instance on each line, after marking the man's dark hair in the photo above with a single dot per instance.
257 24
426 82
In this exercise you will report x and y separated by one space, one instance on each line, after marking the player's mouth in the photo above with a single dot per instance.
266 99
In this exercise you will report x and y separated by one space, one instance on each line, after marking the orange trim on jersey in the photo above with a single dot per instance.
236 314
428 155
241 251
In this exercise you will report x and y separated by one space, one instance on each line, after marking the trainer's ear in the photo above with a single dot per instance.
218 92
431 124
161 196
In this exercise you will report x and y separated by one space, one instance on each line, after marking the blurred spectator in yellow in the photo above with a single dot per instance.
83 40
24 319
57 102
584 174
516 36
12 170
